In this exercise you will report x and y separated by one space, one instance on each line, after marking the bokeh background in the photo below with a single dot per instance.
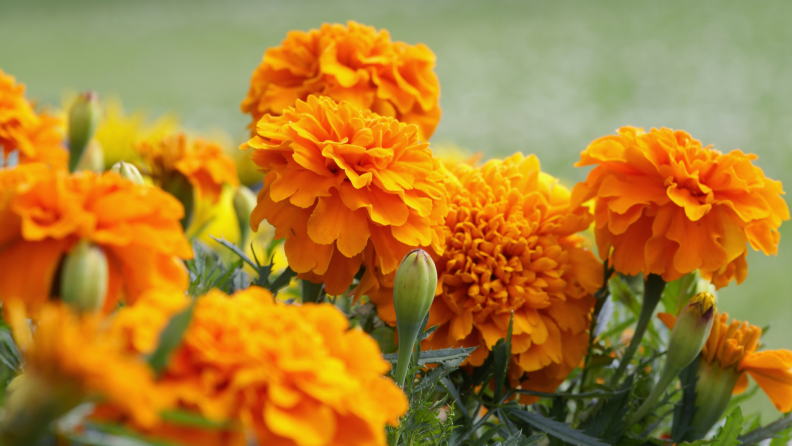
530 76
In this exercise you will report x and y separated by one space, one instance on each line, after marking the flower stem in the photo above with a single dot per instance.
665 380
311 292
406 343
653 289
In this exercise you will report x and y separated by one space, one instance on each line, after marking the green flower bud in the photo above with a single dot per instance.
687 338
128 171
84 277
244 202
691 331
413 293
83 117
714 387
93 158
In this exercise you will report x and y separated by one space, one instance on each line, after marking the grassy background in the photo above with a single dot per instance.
536 77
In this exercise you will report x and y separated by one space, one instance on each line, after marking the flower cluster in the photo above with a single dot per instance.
666 205
354 63
45 212
291 374
36 137
346 187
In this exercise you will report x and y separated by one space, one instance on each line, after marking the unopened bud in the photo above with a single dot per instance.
83 116
244 202
93 158
85 277
413 293
691 330
128 171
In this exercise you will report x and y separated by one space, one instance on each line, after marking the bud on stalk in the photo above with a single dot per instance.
413 293
128 171
244 202
83 116
92 158
84 277
690 333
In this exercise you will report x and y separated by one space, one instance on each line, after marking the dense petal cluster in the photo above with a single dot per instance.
346 188
511 246
202 163
293 375
734 346
666 205
45 212
79 356
354 63
35 137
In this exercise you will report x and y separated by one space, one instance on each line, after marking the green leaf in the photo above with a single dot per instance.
502 354
437 356
170 338
686 407
782 438
607 422
769 431
385 338
561 431
728 434
184 418
236 250
453 392
282 281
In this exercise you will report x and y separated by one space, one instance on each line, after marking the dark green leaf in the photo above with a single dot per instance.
686 407
502 354
607 423
556 429
385 338
570 396
769 431
454 394
728 434
437 356
184 418
236 250
281 281
170 338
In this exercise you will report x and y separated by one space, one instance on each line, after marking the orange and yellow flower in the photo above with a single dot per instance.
45 212
35 137
733 346
511 245
77 357
292 375
666 205
353 63
202 163
346 188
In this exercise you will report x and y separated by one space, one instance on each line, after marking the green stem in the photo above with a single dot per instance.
311 292
406 343
665 380
653 290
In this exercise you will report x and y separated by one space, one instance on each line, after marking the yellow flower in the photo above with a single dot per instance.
511 245
290 374
346 188
666 205
202 163
353 63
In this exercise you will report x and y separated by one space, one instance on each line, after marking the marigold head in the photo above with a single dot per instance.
45 212
36 137
347 187
354 63
202 163
668 206
511 246
289 373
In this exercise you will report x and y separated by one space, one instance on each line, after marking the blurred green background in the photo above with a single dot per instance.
537 77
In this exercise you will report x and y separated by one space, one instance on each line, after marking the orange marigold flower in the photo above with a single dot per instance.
202 163
666 205
733 346
511 246
290 374
73 357
347 187
36 137
45 212
354 63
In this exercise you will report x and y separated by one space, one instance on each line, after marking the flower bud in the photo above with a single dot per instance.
83 116
413 293
93 158
84 277
128 171
691 330
714 387
244 202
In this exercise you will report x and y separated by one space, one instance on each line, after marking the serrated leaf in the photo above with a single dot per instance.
453 392
769 431
607 422
686 407
728 434
170 338
235 250
437 356
557 429
281 281
533 439
502 354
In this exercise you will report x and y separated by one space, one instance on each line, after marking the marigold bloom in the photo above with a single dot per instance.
511 246
79 356
45 212
354 63
734 346
292 374
347 187
668 206
203 163
36 137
